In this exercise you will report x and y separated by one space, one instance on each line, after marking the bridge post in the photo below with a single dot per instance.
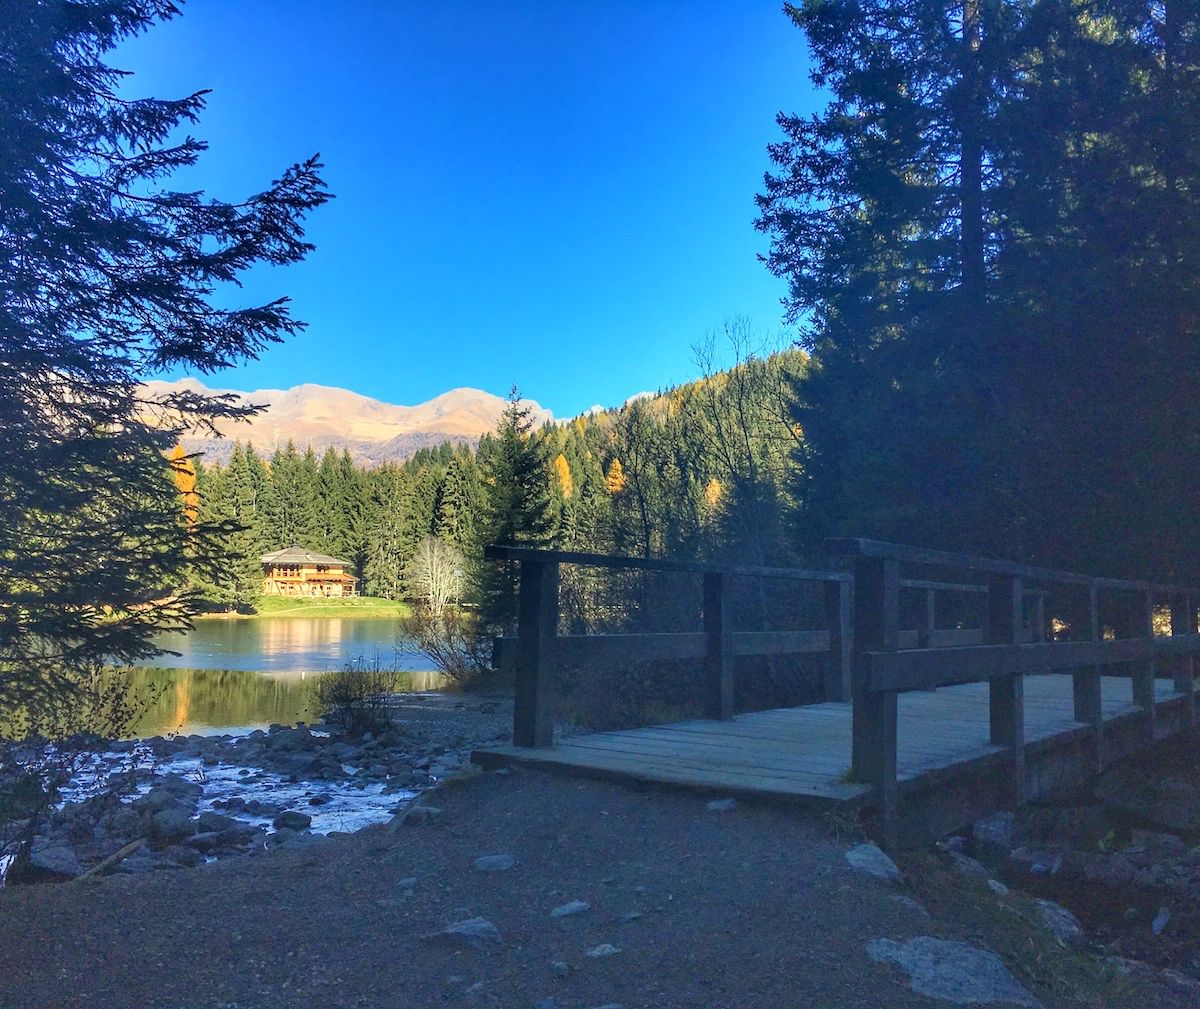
838 618
1006 694
1143 672
873 717
537 628
1086 683
1183 621
718 662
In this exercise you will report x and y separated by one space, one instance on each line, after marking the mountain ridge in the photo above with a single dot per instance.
324 416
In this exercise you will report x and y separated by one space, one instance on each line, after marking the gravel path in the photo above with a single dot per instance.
738 907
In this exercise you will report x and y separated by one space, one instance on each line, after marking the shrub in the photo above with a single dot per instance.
357 697
454 641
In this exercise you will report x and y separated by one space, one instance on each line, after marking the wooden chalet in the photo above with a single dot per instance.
297 571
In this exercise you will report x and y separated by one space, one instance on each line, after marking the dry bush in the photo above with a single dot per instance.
357 697
454 641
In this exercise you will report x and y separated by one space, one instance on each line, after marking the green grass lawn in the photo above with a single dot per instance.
356 606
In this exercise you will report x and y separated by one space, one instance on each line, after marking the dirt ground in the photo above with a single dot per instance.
753 907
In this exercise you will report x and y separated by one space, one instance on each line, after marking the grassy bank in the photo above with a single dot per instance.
282 606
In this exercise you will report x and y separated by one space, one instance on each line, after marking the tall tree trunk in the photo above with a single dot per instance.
971 165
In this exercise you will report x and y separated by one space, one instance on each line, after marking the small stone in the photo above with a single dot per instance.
952 971
292 819
320 799
475 933
559 968
407 883
1161 920
569 908
913 905
966 865
998 888
604 949
721 805
494 863
1060 921
869 858
547 1003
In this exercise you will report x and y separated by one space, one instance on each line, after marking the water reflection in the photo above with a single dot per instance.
230 700
290 646
236 675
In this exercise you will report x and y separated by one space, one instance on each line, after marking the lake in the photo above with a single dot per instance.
240 674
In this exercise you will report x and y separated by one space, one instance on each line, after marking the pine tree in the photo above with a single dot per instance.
109 276
331 507
991 238
459 501
388 541
516 509
294 493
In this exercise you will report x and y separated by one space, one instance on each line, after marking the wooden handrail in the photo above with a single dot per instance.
497 552
928 668
968 562
538 650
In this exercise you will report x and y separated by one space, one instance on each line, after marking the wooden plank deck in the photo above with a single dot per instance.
803 754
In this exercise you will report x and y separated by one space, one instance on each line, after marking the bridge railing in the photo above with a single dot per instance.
1111 630
538 649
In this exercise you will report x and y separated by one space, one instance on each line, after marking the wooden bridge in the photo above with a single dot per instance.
1046 679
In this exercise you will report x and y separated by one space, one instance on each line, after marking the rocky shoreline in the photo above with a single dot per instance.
181 801
1123 859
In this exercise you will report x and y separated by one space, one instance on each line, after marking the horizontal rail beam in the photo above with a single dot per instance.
923 669
497 552
779 642
941 558
583 650
920 583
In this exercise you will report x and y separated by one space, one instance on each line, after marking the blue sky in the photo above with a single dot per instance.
558 194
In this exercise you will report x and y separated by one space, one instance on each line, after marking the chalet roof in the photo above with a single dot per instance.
301 555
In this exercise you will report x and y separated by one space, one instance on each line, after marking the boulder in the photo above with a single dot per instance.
157 800
204 842
183 856
180 787
210 822
869 858
171 825
55 858
953 971
123 822
292 819
1060 921
287 740
239 835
